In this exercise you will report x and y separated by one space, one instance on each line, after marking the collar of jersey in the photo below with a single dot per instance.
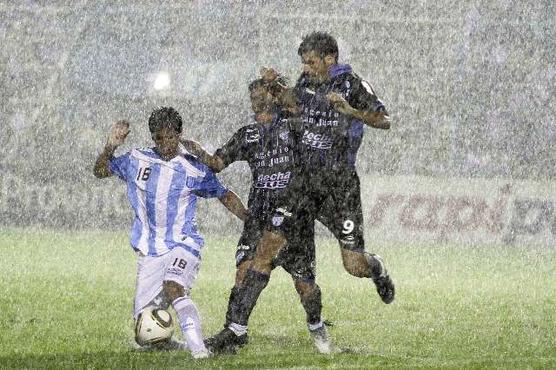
151 152
186 160
339 69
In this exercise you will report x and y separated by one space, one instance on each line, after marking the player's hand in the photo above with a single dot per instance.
269 74
192 146
118 133
339 103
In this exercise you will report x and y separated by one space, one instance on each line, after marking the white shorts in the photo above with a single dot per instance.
177 265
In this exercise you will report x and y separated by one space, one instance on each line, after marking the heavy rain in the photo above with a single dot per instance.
469 162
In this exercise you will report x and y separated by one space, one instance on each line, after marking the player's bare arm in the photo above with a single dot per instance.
213 161
117 136
379 119
285 96
233 203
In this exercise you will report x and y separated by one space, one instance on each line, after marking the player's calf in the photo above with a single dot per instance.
356 263
188 315
311 300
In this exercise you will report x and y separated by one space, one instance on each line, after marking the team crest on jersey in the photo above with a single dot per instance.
277 220
284 135
252 135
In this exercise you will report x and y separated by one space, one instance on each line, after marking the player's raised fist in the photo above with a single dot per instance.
269 74
118 133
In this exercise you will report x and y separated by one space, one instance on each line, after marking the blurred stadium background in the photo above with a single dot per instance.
470 86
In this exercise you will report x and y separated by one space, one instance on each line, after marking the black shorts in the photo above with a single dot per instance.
297 257
333 198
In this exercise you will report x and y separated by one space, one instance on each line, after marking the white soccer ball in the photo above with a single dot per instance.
154 325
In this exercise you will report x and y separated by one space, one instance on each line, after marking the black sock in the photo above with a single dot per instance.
233 304
376 265
313 305
253 284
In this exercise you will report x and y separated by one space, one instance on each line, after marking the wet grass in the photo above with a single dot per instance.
66 303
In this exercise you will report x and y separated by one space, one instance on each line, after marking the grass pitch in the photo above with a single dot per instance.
66 303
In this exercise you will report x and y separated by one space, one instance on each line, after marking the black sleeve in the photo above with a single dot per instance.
233 150
301 89
362 97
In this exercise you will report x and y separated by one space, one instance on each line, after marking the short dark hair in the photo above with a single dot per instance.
165 117
321 42
255 84
272 86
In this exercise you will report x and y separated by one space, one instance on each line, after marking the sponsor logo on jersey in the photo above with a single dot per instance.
175 271
243 247
347 241
275 181
283 211
321 118
317 141
252 135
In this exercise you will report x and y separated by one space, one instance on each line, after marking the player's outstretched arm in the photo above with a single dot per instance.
379 119
233 203
118 133
213 161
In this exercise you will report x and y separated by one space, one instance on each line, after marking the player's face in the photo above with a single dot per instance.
261 100
167 143
315 66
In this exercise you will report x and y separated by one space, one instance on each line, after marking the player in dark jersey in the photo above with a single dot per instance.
269 145
335 105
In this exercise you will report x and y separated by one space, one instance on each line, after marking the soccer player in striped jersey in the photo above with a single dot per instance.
163 184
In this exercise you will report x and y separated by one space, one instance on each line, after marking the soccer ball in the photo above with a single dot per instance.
154 325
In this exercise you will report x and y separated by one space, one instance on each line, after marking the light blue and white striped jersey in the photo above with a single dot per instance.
163 195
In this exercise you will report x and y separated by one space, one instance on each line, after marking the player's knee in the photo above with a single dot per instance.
304 288
274 240
173 290
242 270
269 246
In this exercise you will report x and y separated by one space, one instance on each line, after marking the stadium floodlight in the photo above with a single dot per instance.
161 81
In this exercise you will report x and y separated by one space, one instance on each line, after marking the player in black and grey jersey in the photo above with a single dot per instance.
269 145
335 105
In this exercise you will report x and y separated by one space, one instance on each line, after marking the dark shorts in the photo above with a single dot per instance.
297 257
333 198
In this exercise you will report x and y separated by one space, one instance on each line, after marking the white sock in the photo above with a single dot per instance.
238 329
190 323
315 326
